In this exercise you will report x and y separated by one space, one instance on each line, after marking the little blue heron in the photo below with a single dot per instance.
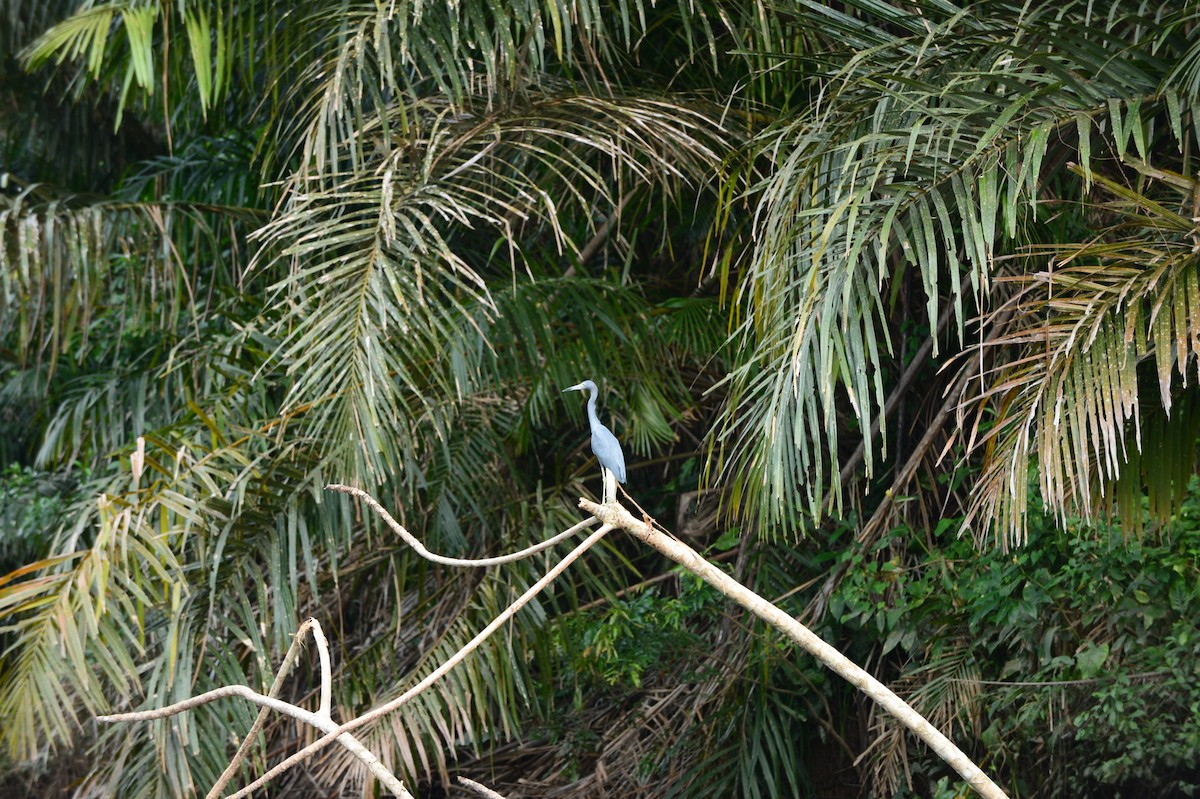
604 445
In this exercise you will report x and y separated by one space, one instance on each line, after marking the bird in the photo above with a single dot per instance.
604 445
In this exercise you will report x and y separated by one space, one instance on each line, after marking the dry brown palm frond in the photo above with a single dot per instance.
946 690
1098 390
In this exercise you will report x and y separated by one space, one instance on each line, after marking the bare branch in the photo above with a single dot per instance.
323 723
210 696
436 674
412 541
597 241
615 515
480 789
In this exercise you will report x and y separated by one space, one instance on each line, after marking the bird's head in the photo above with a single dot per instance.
586 385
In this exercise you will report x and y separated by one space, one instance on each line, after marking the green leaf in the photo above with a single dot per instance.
1090 659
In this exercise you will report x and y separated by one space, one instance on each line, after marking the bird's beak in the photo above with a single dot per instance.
573 388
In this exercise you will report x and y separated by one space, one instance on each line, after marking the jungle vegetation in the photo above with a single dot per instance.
894 306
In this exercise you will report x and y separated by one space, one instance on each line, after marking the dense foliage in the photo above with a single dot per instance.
1068 666
855 279
1071 662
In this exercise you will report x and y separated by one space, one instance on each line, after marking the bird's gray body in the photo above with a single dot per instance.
608 451
604 444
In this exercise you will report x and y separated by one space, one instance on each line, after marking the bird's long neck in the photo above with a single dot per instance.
592 406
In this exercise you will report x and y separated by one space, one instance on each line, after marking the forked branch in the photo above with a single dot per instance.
436 674
321 719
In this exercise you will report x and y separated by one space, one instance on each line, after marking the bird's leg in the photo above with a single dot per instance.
610 486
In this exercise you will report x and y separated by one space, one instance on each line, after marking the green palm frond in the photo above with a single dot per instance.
541 336
85 32
190 50
924 154
76 622
1108 319
475 47
71 266
205 172
160 383
405 251
1184 79
473 704
352 57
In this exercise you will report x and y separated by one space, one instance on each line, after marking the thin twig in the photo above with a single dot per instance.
412 541
480 789
1144 675
875 526
953 401
435 675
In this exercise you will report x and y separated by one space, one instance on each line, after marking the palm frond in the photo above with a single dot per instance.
381 260
66 263
1107 319
922 156
77 621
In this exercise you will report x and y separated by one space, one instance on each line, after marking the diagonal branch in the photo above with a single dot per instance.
597 241
614 515
435 675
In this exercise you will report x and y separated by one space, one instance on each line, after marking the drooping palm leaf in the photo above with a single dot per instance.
925 153
385 254
1107 319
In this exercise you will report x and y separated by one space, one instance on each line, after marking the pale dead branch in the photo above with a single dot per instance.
321 719
614 515
412 541
433 676
480 789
